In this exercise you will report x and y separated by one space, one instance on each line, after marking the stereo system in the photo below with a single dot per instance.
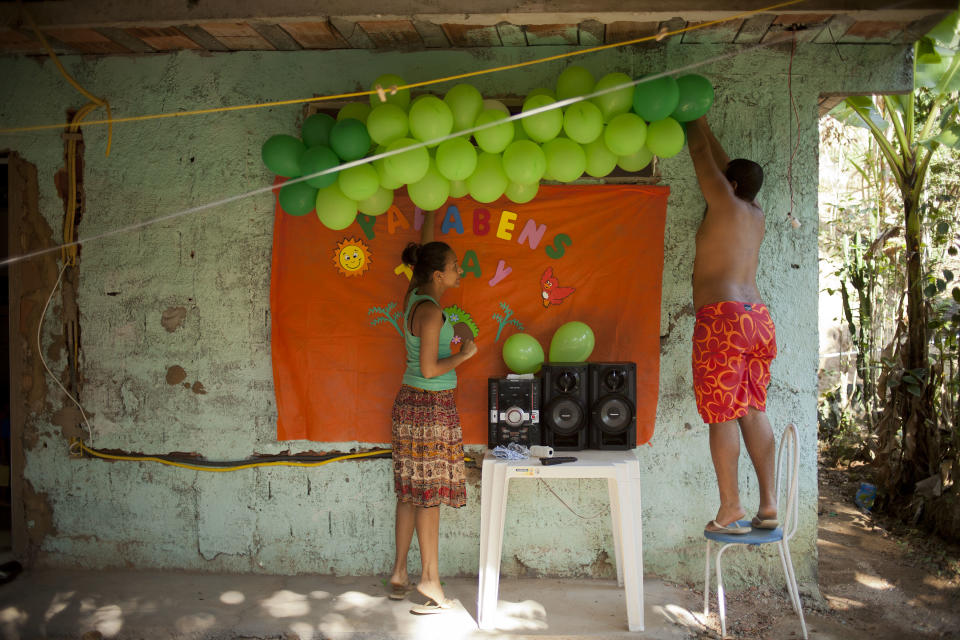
585 405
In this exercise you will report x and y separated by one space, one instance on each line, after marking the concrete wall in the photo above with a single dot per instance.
215 266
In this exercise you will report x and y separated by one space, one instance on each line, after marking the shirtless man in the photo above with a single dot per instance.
734 339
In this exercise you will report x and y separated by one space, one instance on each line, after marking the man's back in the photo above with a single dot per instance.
728 250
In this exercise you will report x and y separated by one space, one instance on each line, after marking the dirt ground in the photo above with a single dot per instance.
879 580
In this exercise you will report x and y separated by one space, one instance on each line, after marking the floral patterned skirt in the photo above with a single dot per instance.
428 448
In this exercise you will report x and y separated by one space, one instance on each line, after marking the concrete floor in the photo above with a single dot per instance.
155 604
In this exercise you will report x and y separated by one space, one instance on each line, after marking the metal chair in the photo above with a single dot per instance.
788 460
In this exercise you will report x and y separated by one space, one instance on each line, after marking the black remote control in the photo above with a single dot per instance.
557 460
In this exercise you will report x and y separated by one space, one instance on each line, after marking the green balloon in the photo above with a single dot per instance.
335 210
572 342
465 103
493 139
522 353
378 203
696 97
665 138
583 122
542 91
298 199
496 105
574 81
349 139
456 159
625 134
524 162
359 182
566 159
316 129
636 161
616 102
356 110
431 191
387 80
281 153
458 188
319 158
545 126
430 118
521 193
656 99
519 133
489 181
387 181
408 166
600 160
387 123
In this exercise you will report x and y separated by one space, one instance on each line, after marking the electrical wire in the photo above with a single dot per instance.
414 85
602 511
222 467
43 315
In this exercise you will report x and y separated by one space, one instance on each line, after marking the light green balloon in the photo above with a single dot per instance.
359 182
316 159
600 160
636 161
566 159
625 134
387 80
522 353
496 105
545 126
298 199
456 159
583 122
493 139
542 91
574 81
408 166
335 210
665 138
465 103
387 123
281 154
431 191
519 133
522 193
489 181
430 118
616 102
356 110
316 129
524 162
458 188
572 342
378 203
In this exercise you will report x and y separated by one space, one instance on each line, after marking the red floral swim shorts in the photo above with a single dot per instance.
733 346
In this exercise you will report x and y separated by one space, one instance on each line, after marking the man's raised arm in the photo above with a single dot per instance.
709 161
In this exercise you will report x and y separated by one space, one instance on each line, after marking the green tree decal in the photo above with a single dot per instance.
505 320
386 314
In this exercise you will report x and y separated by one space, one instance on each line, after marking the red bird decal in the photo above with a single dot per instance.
550 290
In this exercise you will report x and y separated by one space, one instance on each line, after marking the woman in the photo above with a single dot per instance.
427 439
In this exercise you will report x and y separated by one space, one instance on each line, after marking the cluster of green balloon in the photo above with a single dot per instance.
325 144
571 342
625 126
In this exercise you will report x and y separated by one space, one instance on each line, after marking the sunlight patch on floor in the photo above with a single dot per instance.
874 582
286 604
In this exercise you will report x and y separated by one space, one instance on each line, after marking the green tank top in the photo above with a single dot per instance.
413 376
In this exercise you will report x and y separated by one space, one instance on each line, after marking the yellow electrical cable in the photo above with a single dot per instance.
357 94
183 465
98 102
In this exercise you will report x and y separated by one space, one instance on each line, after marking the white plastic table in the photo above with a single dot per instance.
622 471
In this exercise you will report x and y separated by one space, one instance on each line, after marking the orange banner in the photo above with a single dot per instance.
592 253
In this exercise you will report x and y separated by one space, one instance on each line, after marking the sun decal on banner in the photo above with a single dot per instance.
351 257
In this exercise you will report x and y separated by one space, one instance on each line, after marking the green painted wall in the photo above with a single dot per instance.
216 265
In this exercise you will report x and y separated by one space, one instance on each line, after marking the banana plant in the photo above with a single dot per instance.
909 129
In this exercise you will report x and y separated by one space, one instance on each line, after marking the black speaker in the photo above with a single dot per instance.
613 405
514 412
565 405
